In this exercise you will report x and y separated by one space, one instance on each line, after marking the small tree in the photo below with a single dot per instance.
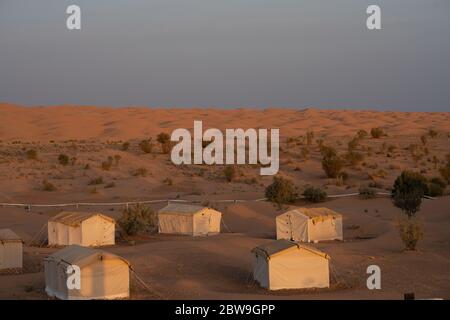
315 195
332 165
63 159
138 219
281 191
164 139
408 191
230 173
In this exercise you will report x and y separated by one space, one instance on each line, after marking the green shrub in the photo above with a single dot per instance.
281 191
230 173
138 219
63 159
31 154
408 191
377 133
313 194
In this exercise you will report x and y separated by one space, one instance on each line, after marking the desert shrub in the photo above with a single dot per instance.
305 153
31 154
138 219
313 194
168 181
112 184
281 191
117 158
332 165
423 139
140 172
410 232
367 192
95 181
48 186
327 151
309 137
439 182
445 172
230 173
87 166
408 191
435 190
353 157
377 133
391 148
362 134
107 164
432 133
352 144
125 146
146 146
164 139
63 159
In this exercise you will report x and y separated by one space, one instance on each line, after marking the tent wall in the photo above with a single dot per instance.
63 235
10 255
292 227
329 229
97 231
105 279
298 269
261 271
176 224
207 222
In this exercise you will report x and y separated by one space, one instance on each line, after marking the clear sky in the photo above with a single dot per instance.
227 53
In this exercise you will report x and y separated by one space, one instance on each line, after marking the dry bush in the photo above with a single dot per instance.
230 173
31 154
164 139
281 191
106 165
146 146
140 172
95 181
48 186
367 192
125 146
332 165
63 159
410 232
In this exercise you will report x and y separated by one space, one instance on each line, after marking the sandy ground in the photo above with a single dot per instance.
220 266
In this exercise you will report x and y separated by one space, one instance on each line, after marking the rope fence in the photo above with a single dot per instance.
28 206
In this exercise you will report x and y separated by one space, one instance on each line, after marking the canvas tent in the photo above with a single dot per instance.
82 228
10 250
309 225
102 275
188 219
283 264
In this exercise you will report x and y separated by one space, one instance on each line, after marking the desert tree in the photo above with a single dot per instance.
281 191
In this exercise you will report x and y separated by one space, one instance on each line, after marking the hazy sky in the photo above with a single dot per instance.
227 53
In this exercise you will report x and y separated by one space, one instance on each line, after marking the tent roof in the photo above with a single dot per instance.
82 256
180 208
76 218
7 235
283 246
316 214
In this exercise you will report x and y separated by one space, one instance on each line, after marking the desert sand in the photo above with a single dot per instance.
217 267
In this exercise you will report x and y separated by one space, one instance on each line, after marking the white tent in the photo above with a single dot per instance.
188 219
10 250
283 264
309 225
102 275
82 228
